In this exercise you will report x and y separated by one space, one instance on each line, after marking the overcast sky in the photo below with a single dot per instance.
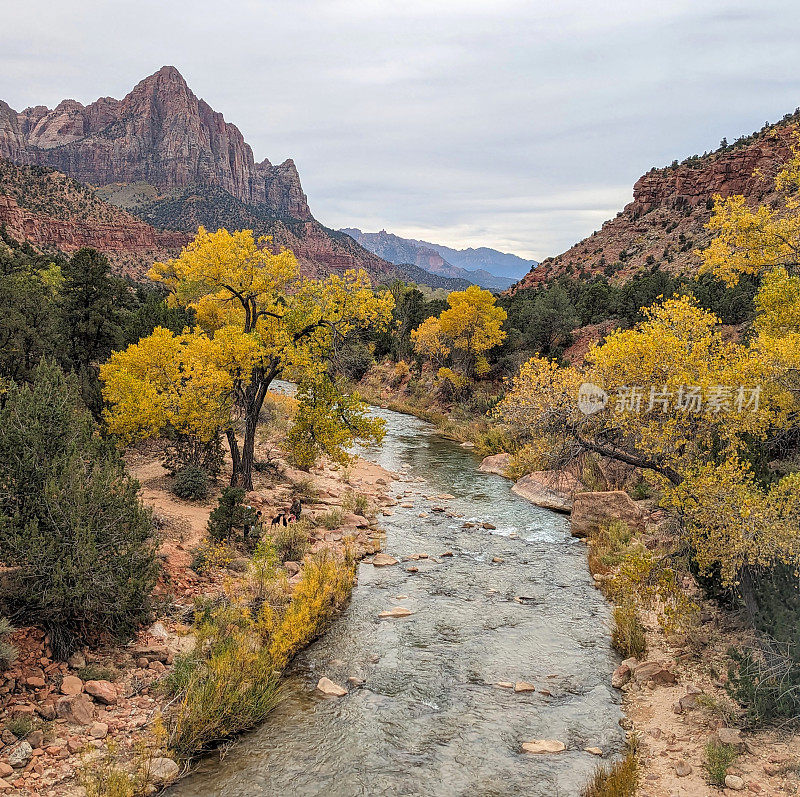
516 124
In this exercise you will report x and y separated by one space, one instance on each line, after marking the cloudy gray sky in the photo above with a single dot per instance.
517 124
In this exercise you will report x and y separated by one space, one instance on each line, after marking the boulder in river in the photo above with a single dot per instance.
496 463
544 746
328 687
397 611
383 560
591 510
524 686
551 489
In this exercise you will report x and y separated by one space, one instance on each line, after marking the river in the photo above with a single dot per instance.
515 603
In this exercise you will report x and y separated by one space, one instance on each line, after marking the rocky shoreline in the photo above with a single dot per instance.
674 700
66 714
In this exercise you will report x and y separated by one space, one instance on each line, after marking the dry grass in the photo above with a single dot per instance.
618 779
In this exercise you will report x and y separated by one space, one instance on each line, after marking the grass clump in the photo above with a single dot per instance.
291 542
191 483
20 726
112 772
330 520
618 779
96 672
8 653
356 502
230 681
719 757
226 685
627 635
769 691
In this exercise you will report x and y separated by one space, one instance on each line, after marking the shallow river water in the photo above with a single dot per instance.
429 719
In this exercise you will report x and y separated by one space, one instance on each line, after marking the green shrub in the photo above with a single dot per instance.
291 542
191 483
228 688
641 490
20 726
230 514
628 636
769 693
8 653
718 758
70 519
230 680
618 779
356 502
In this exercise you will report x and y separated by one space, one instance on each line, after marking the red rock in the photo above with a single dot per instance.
71 685
77 709
163 135
102 691
671 207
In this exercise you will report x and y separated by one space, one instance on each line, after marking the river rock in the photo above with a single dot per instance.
682 769
397 611
20 754
163 770
550 489
383 560
620 676
544 746
524 686
328 687
496 463
593 750
591 510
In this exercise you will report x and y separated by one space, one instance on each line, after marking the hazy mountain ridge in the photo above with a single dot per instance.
494 269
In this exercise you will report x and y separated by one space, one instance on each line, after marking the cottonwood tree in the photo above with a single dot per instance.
470 326
259 319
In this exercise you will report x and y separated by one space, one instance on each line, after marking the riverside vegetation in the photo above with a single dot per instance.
725 478
81 551
93 363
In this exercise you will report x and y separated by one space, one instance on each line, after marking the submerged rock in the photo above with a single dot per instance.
328 687
544 746
397 611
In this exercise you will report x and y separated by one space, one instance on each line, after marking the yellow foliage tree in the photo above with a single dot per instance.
681 404
257 318
471 325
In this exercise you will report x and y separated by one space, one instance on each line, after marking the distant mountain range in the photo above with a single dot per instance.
168 159
485 267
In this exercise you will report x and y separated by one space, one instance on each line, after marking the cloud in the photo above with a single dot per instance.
518 124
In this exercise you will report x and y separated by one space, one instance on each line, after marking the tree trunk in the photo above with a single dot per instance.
245 474
236 458
242 475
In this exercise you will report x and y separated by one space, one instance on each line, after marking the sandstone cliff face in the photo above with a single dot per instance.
666 220
52 212
160 133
